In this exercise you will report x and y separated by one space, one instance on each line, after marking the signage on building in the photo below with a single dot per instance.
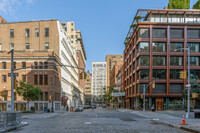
118 94
116 88
15 74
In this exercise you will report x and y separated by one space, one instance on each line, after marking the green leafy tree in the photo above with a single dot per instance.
108 98
28 91
179 4
197 5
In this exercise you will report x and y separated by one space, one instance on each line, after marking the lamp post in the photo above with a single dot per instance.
188 86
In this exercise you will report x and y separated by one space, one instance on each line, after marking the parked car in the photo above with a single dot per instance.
87 107
104 106
94 105
78 108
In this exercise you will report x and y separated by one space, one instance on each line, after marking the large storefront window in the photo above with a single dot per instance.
175 74
159 74
143 74
194 61
194 74
193 33
143 33
141 88
159 18
159 60
143 47
176 18
143 61
176 103
176 88
194 47
159 47
176 60
176 47
192 18
176 33
159 88
159 33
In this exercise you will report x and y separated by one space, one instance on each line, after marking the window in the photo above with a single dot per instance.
159 88
36 64
194 74
72 41
0 46
176 60
24 78
40 65
45 79
4 78
27 46
194 61
11 46
194 47
159 47
27 33
36 79
159 33
159 74
37 32
176 88
3 65
72 29
143 61
143 33
76 36
159 18
41 79
46 63
176 33
176 18
46 32
141 88
72 24
192 18
175 74
72 36
143 47
23 64
143 74
159 60
176 47
193 33
46 96
46 45
11 33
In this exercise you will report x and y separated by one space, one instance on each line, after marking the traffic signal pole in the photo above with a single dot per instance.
188 106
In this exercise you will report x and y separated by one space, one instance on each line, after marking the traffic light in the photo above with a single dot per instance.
81 75
153 85
183 75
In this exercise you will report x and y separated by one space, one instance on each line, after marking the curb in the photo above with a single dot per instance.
175 126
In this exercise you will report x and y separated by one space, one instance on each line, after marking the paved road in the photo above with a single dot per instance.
91 121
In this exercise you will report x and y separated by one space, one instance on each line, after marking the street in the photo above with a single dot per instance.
99 120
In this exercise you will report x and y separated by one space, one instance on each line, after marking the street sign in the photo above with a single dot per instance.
118 94
188 85
15 74
193 80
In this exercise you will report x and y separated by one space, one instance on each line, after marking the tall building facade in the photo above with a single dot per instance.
99 81
112 60
113 75
156 50
38 43
88 88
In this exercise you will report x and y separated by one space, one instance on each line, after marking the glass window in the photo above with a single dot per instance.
41 79
159 18
11 33
176 88
192 18
40 65
176 33
143 33
143 74
194 74
46 45
176 60
194 61
159 33
159 60
4 78
24 78
176 47
175 74
141 88
46 32
36 64
72 36
176 18
159 47
45 79
23 64
3 65
27 33
37 32
193 33
143 47
46 65
159 88
27 46
194 47
11 46
143 61
36 79
159 74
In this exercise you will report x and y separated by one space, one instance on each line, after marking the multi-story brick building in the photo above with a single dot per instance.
38 43
155 52
112 60
88 88
113 75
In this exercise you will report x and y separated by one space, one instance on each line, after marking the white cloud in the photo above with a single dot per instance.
7 6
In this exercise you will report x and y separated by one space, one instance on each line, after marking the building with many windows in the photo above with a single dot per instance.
38 43
99 81
156 50
88 88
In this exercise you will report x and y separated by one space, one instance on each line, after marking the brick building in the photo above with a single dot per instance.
155 52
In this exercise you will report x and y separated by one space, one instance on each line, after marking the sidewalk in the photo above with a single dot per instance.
164 118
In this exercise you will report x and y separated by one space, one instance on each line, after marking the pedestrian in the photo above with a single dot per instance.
153 108
67 108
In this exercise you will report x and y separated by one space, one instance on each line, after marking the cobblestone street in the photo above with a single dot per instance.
91 121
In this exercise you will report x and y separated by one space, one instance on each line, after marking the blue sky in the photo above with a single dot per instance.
103 23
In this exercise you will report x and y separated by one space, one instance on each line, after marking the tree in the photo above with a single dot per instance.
179 4
108 95
197 5
28 91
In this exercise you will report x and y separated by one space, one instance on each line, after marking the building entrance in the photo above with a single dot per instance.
159 103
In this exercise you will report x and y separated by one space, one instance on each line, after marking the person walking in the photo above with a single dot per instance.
153 108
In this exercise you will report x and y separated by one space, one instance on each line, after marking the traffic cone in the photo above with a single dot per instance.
183 120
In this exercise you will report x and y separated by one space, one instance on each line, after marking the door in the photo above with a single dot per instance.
159 103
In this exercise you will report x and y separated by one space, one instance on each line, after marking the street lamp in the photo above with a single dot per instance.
188 104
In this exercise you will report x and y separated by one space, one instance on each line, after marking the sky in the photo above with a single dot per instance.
104 24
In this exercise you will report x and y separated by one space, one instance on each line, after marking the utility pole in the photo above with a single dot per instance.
188 110
144 97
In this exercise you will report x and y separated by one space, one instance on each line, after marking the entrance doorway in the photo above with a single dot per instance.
159 103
